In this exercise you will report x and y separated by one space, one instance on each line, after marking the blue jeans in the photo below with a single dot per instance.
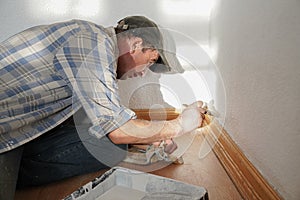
62 153
9 166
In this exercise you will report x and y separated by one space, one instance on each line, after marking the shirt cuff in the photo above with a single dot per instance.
107 124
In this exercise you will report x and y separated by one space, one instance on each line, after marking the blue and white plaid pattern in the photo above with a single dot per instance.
49 72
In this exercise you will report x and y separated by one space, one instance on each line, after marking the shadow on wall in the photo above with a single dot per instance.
164 90
142 92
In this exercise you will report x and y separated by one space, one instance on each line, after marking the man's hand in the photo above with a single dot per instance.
169 145
192 117
138 131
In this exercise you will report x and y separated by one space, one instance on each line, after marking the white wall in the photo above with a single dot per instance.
187 16
257 45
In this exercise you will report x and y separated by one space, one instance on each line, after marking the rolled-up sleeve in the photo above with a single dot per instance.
88 63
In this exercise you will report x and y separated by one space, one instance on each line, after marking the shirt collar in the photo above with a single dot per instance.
112 34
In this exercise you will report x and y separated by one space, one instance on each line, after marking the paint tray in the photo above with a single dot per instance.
121 183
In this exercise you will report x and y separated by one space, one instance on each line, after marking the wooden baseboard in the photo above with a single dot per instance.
250 183
156 114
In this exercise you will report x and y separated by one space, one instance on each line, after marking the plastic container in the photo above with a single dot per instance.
121 183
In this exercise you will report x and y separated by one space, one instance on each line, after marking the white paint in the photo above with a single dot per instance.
19 15
118 192
258 55
181 8
50 8
66 8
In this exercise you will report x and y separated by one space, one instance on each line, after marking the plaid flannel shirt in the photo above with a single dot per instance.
49 72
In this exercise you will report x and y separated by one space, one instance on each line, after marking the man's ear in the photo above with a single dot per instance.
135 43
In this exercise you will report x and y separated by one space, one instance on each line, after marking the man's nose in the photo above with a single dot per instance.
154 56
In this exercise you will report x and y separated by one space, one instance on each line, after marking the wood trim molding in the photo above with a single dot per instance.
157 114
250 183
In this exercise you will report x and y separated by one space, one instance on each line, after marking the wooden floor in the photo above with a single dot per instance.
206 172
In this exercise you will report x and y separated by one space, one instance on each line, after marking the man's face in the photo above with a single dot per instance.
134 62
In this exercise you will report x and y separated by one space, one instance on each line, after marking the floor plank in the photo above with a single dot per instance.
206 172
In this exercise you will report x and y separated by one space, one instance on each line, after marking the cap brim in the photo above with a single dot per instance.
169 61
170 65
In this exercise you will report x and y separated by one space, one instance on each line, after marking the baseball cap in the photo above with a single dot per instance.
158 38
